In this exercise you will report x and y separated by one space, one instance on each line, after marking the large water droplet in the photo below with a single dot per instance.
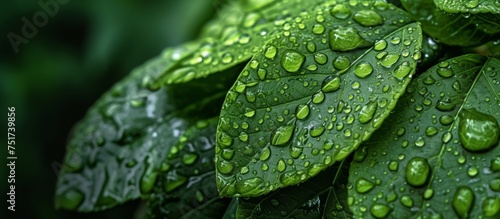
417 171
478 131
320 58
363 69
345 39
340 11
330 84
224 139
368 18
367 112
341 62
491 206
407 201
380 210
270 52
248 185
380 45
292 60
281 166
389 60
295 152
463 201
402 71
225 167
363 185
445 72
282 135
302 111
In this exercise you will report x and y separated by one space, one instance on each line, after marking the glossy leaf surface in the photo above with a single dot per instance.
312 94
440 158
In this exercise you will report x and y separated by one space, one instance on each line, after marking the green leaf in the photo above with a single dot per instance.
469 6
299 106
115 152
439 155
186 186
240 30
453 29
323 196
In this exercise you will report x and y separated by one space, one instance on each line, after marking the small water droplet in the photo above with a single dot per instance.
380 210
393 165
445 72
225 167
345 39
265 154
189 158
407 201
463 201
318 29
320 58
281 166
341 63
380 45
318 97
367 112
478 131
402 71
340 11
227 58
446 120
389 60
368 18
491 206
428 193
302 111
363 185
417 171
70 199
330 84
270 52
472 171
292 60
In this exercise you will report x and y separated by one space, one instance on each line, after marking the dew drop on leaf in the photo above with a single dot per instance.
341 63
495 164
225 167
345 39
367 112
330 84
478 131
491 206
402 71
417 171
363 69
363 185
368 18
380 210
245 186
445 72
340 11
406 201
189 158
292 60
270 52
463 201
282 135
389 60
380 45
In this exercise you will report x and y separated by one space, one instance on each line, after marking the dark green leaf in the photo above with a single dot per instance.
453 29
469 6
186 186
299 106
439 155
115 152
323 196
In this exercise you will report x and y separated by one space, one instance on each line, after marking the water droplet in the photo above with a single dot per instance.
446 120
248 185
380 45
317 131
417 171
428 193
311 47
318 29
472 3
431 131
281 166
341 63
270 52
445 105
265 154
407 201
495 164
302 111
173 182
189 158
249 112
491 206
402 71
478 131
138 102
472 171
340 11
380 210
445 72
70 199
393 165
320 58
224 139
463 201
345 39
282 135
227 154
227 58
225 167
367 112
330 84
295 152
368 18
495 184
420 142
389 60
363 69
318 97
292 60
363 185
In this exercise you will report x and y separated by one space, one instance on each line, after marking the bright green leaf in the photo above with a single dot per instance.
453 29
323 196
299 106
186 186
440 155
469 6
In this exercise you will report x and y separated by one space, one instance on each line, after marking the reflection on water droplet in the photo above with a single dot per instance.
367 112
389 60
363 69
292 60
270 52
380 45
345 39
363 185
463 201
368 18
478 131
282 135
380 210
417 171
340 11
330 84
341 63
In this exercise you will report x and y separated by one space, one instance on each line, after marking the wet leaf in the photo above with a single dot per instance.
312 94
323 196
469 6
186 181
453 29
440 158
115 152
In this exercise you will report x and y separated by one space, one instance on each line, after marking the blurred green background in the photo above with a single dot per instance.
74 58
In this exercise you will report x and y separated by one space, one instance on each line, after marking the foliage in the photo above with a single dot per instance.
304 109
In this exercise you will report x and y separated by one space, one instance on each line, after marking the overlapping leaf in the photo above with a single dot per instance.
312 94
323 196
115 152
469 6
186 186
454 29
440 157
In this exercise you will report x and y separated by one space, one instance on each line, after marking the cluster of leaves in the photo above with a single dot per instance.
304 109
